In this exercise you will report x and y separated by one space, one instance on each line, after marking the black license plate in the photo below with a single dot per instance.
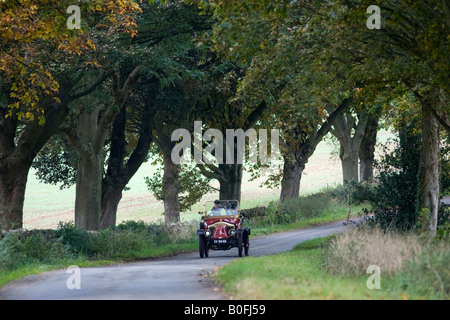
219 241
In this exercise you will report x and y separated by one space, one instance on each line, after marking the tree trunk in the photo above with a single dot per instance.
17 152
349 160
88 192
170 190
89 141
90 170
108 208
12 196
114 180
292 174
367 149
230 184
119 173
429 165
349 145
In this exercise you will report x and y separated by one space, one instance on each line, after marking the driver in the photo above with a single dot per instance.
216 210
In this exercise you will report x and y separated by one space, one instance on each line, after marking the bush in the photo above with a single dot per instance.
427 274
306 207
10 252
290 210
68 242
255 213
131 225
392 194
110 243
77 239
19 249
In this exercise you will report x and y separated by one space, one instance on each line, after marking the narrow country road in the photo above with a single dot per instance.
182 277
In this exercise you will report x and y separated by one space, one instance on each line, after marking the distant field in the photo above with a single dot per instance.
46 205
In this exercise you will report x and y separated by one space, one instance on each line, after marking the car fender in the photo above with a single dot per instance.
243 230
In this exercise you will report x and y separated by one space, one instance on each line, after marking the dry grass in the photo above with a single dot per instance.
182 231
351 252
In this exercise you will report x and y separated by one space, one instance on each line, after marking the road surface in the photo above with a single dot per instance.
182 277
446 200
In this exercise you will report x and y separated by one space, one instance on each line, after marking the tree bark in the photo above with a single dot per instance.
113 183
119 173
17 154
110 200
88 192
89 140
349 145
230 184
429 165
349 160
90 170
12 196
293 169
170 190
292 174
367 149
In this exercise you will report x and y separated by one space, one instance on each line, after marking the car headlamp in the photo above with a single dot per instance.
207 233
232 232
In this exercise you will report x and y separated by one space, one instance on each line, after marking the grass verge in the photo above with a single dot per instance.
303 273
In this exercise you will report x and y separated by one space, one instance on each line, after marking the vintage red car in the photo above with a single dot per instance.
222 228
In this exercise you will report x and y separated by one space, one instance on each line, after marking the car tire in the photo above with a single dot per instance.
246 243
201 246
239 244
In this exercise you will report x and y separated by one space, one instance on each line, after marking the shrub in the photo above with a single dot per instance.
131 225
38 247
306 207
290 210
20 249
10 252
427 274
110 243
77 239
393 192
255 213
339 193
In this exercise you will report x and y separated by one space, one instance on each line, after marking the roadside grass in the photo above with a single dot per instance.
304 273
297 274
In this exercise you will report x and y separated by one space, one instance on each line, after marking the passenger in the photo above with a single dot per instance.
216 210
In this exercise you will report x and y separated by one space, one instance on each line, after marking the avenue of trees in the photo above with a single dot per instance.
89 106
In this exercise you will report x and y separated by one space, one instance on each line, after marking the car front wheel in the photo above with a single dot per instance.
239 244
201 246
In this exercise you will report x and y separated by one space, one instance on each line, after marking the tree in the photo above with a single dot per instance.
87 134
232 116
125 158
285 52
417 35
305 144
40 71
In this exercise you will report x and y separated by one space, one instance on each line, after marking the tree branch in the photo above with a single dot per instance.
105 76
443 120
